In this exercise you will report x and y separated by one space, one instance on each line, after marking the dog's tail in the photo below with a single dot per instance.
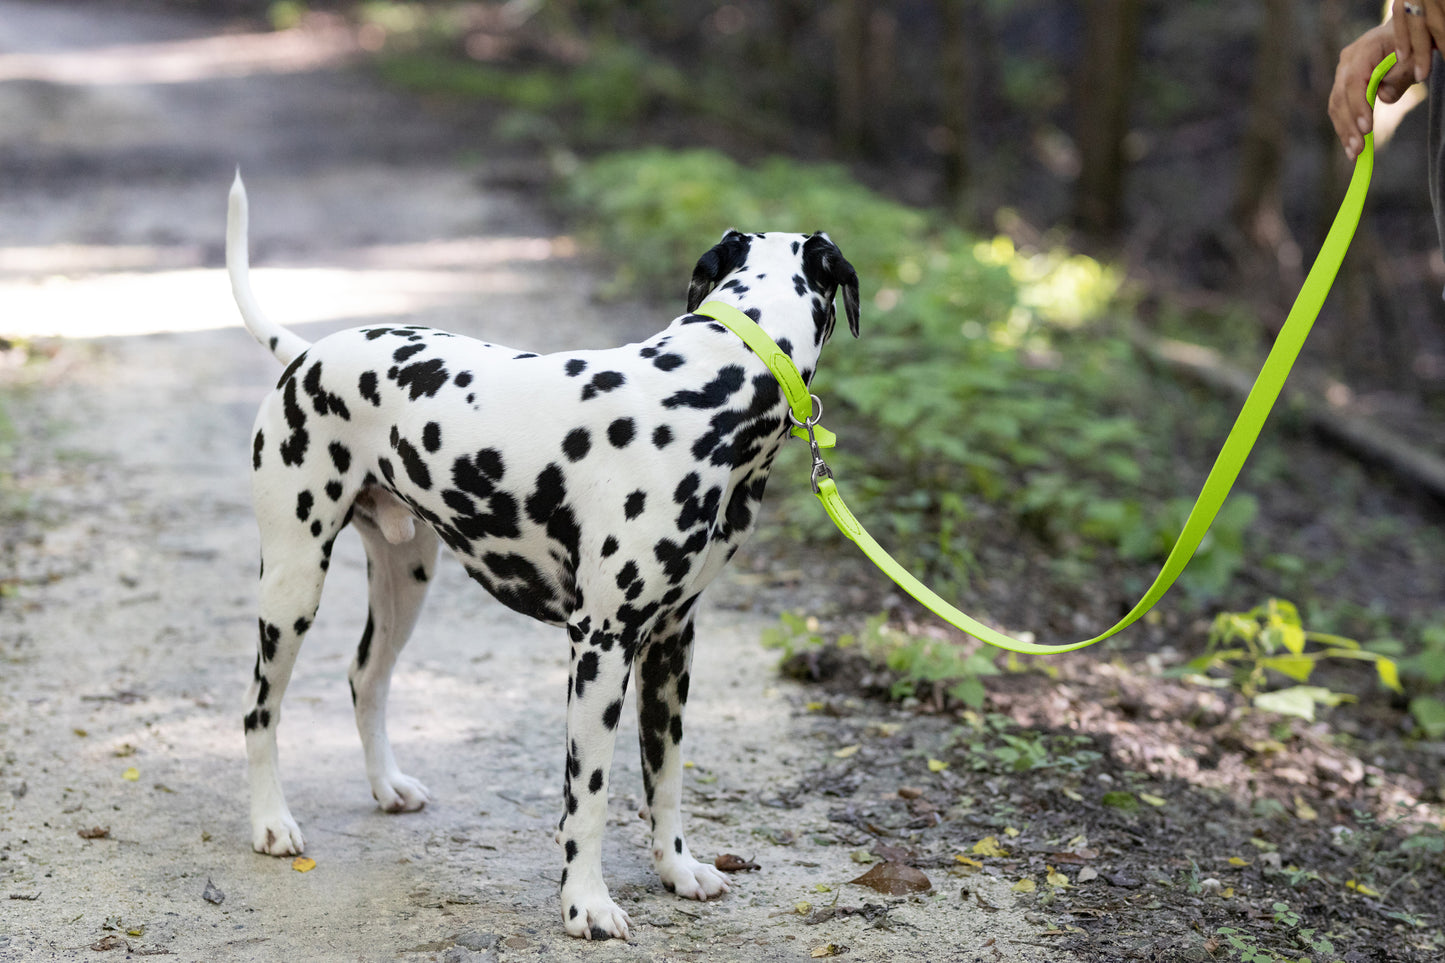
281 343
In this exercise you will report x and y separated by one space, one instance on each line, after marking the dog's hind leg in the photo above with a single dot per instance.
662 670
397 574
293 564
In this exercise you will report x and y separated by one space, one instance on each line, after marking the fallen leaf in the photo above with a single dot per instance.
1227 892
1153 800
131 775
822 888
828 949
937 765
894 879
111 942
959 857
729 863
1360 888
1120 799
1087 875
1238 861
802 907
213 895
988 846
1071 794
1024 886
1056 878
95 832
862 856
303 864
1304 810
846 751
814 706
909 792
1010 832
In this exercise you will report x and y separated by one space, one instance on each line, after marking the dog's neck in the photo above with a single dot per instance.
797 324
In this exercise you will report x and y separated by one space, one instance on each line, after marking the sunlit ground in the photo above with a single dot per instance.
77 291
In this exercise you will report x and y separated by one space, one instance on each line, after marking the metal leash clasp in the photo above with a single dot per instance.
815 415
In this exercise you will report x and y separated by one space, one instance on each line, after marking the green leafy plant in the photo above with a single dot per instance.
1271 639
922 666
1289 926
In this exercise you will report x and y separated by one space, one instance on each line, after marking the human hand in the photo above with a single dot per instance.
1349 110
1419 28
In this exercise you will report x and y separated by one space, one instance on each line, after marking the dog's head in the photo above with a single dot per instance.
812 261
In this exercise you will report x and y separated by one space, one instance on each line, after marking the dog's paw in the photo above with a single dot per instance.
277 836
691 879
594 918
399 793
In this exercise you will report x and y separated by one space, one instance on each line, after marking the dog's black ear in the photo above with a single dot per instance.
825 264
726 256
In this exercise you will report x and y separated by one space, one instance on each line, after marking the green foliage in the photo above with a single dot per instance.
919 664
995 743
1270 639
1289 928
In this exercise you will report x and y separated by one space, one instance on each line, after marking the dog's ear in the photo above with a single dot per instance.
726 256
826 264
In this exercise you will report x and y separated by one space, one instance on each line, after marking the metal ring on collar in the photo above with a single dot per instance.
815 416
1414 9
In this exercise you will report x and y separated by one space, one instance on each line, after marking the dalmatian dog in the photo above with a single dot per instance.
599 491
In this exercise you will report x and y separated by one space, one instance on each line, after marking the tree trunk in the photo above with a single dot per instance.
1257 210
1111 45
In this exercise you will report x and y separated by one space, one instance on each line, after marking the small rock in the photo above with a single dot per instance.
478 941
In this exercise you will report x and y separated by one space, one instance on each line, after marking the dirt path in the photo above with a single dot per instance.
126 616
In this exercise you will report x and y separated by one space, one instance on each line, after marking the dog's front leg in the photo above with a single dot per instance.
662 682
597 684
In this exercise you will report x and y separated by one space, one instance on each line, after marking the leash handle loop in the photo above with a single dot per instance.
1236 448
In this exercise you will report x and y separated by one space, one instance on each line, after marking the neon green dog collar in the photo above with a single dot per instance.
1217 485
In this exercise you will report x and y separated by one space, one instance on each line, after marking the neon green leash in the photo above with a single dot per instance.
806 410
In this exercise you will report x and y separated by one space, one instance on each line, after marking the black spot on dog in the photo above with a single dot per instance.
612 714
431 436
627 576
575 367
366 384
373 333
547 494
406 351
603 382
302 624
411 460
322 400
291 369
423 377
571 849
270 638
304 501
669 362
340 456
293 449
577 444
419 573
256 444
594 784
316 529
462 379
661 437
609 547
586 671
677 845
621 432
714 394
363 651
636 502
